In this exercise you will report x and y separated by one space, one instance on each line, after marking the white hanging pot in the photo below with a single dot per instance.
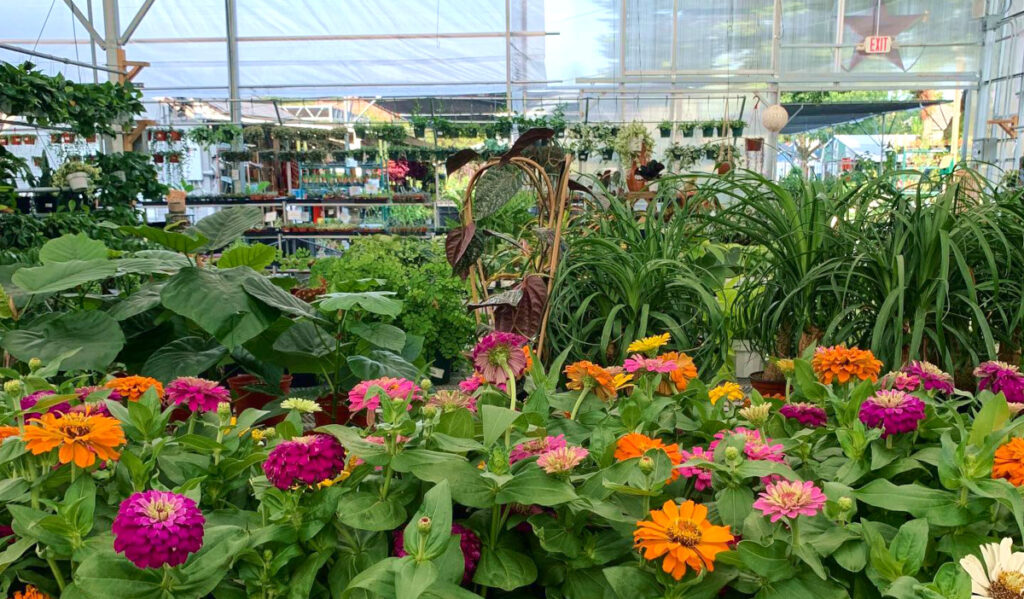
78 181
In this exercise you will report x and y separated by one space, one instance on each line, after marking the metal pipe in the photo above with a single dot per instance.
112 28
231 20
92 46
299 38
837 59
58 59
331 85
508 55
127 35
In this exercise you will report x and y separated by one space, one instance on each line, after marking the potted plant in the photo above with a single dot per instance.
68 138
707 128
15 140
174 134
159 135
665 128
687 127
55 138
754 144
470 130
710 151
29 140
736 127
174 157
76 175
158 157
419 125
633 144
4 140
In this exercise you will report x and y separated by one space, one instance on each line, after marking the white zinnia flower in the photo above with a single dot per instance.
1005 571
305 406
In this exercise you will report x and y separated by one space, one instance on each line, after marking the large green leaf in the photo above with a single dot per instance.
537 487
58 276
380 334
377 302
95 335
217 302
178 242
380 362
267 292
256 256
188 356
225 226
145 298
72 247
505 569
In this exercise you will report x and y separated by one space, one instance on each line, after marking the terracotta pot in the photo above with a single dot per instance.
245 398
767 387
340 413
174 158
68 138
29 140
160 135
633 181
15 140
754 144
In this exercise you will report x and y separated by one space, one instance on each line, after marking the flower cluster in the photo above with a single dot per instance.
1009 462
304 460
200 395
649 344
535 447
678 378
841 363
361 397
604 382
154 528
789 499
893 411
754 447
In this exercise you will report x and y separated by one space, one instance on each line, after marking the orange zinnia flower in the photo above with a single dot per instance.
30 592
604 382
679 378
683 535
1009 462
81 436
8 431
843 363
132 387
635 445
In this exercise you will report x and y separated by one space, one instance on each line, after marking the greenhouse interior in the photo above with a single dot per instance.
511 299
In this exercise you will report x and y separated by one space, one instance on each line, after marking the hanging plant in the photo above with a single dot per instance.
633 142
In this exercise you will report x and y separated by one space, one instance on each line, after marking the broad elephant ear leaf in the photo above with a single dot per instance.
256 256
179 242
225 226
58 276
93 339
460 159
72 247
217 301
188 356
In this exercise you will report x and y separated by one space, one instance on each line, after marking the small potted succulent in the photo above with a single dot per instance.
76 175
665 128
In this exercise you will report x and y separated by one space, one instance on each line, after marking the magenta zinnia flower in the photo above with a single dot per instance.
894 411
392 387
702 474
562 460
1000 377
468 542
807 414
94 407
535 447
154 528
790 499
639 362
931 376
304 460
32 399
497 351
200 395
83 393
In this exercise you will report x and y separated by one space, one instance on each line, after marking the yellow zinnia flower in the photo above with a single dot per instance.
730 391
649 343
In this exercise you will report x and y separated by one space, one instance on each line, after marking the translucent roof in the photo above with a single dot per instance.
419 48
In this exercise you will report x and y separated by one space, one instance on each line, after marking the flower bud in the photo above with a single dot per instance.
732 454
757 415
224 410
426 384
12 387
429 411
35 364
268 555
423 525
845 504
646 464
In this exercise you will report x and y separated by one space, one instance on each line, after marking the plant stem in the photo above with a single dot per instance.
57 574
191 422
510 385
794 528
579 402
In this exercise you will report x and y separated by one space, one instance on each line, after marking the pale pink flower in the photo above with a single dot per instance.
639 362
561 460
534 447
702 473
393 389
789 499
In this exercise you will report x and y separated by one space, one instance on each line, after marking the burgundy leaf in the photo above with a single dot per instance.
525 140
457 242
460 159
524 318
576 186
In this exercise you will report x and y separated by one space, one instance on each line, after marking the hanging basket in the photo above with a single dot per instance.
754 144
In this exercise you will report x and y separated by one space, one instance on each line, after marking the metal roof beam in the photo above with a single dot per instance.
85 22
127 35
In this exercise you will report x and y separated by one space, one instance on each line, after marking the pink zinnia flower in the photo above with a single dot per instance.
535 447
562 460
807 414
200 395
499 350
755 447
154 528
94 407
702 473
475 381
83 393
790 499
639 362
894 411
1000 377
468 542
933 378
6 531
304 460
448 401
902 381
32 399
394 389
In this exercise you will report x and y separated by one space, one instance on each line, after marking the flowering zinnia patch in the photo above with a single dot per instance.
132 387
807 414
604 382
635 445
1000 377
1009 462
892 410
362 398
931 376
649 344
679 378
902 381
200 395
533 447
468 542
449 401
683 534
497 352
304 460
754 447
643 364
789 499
562 460
154 528
730 391
700 473
81 437
841 363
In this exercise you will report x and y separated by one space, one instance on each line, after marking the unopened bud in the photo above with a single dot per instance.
732 454
646 464
12 387
268 555
35 364
426 384
423 525
845 504
224 410
429 410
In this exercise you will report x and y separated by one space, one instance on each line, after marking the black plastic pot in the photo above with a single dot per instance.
665 131
708 131
607 154
737 131
583 156
688 131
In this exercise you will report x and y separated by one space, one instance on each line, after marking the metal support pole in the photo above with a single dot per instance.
771 152
112 28
508 55
92 46
231 18
87 23
837 59
983 100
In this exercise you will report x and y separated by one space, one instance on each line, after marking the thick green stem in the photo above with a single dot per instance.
579 402
794 528
58 576
510 385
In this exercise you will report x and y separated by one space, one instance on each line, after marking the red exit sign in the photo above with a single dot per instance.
877 44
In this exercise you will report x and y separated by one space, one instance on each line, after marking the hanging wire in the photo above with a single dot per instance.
43 28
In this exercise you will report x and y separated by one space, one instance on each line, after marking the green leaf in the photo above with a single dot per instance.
217 302
734 503
380 334
375 302
67 248
534 486
59 276
267 292
378 579
496 421
188 356
228 224
178 242
379 363
806 382
909 546
952 582
412 578
940 507
437 506
769 562
630 582
991 417
367 511
504 569
145 298
256 256
94 338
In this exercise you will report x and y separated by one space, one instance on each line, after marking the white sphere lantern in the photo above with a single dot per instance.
774 118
